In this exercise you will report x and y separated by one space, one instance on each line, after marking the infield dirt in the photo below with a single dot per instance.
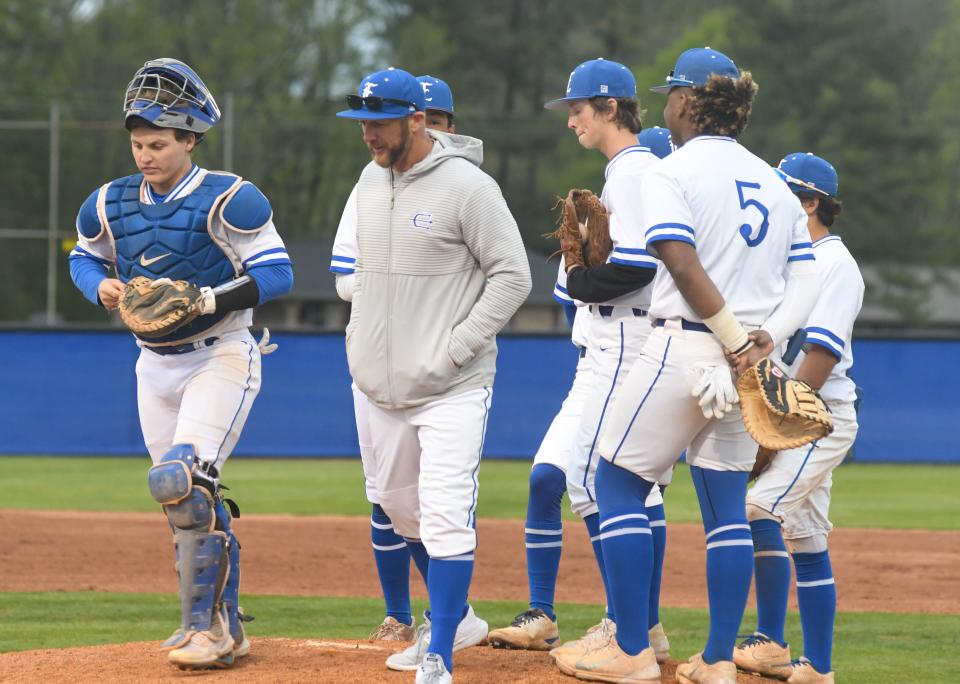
330 556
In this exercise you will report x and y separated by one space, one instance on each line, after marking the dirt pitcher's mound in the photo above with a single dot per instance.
284 660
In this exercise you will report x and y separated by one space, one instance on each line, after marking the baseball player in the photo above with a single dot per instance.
787 508
439 102
195 386
440 269
657 138
737 273
392 553
604 115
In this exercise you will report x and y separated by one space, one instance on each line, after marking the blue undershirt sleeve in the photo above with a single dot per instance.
87 274
272 279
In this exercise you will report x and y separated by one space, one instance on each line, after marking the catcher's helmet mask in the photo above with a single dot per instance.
169 94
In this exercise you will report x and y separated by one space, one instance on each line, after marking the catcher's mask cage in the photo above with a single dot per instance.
169 94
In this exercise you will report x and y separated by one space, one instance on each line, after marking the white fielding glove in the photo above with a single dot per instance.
715 389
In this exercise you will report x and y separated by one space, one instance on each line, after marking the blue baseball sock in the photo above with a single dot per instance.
658 529
627 551
449 585
420 556
817 596
592 522
722 496
544 534
393 565
771 564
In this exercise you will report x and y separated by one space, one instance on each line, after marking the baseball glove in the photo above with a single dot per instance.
154 308
780 413
583 229
762 462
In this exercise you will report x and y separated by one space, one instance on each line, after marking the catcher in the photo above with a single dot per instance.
193 251
787 508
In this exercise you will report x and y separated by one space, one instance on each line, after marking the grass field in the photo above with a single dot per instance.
864 495
869 647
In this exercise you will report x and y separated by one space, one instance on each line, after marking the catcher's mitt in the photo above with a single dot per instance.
154 308
780 413
583 229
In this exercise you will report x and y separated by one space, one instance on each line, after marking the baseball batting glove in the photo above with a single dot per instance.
779 412
154 308
714 389
583 230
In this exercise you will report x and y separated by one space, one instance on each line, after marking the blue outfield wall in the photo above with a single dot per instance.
75 393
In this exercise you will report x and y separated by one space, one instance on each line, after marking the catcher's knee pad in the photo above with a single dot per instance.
171 479
195 512
814 544
754 512
202 564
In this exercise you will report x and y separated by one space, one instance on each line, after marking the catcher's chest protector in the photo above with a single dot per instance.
169 240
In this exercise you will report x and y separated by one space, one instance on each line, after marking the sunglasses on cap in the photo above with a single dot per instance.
374 103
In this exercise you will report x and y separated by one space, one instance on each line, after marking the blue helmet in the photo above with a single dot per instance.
169 94
657 139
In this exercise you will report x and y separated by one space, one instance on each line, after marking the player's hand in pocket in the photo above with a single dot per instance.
714 389
109 291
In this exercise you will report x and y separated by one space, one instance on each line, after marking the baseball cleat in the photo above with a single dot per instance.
697 671
532 630
597 635
660 643
803 672
760 654
608 663
392 629
179 637
205 649
433 671
470 632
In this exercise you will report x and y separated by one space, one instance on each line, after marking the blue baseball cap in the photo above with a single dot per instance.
597 78
387 94
695 67
657 139
436 94
806 172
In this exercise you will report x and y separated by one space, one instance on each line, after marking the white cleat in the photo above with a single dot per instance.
532 630
660 643
470 632
433 671
205 649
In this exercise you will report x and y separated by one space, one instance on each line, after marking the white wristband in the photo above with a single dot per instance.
727 328
208 303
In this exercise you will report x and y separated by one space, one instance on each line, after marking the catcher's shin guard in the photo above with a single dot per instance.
202 565
231 590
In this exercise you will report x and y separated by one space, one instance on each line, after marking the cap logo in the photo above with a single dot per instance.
604 89
368 88
570 83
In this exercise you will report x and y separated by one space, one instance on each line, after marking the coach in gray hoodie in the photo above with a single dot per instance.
440 270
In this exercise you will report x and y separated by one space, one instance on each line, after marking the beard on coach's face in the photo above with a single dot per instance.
388 142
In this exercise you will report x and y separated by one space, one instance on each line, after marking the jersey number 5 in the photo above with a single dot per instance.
746 229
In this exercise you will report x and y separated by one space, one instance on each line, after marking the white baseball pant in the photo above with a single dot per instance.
427 463
201 398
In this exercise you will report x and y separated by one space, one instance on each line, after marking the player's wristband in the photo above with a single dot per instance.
728 330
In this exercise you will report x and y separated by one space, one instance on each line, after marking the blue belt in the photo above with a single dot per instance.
686 325
183 348
607 310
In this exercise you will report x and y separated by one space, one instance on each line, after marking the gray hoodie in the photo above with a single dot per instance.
441 269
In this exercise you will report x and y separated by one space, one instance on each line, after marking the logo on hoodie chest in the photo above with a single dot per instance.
422 220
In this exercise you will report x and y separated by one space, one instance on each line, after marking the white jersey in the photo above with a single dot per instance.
740 216
580 334
343 261
621 198
831 323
